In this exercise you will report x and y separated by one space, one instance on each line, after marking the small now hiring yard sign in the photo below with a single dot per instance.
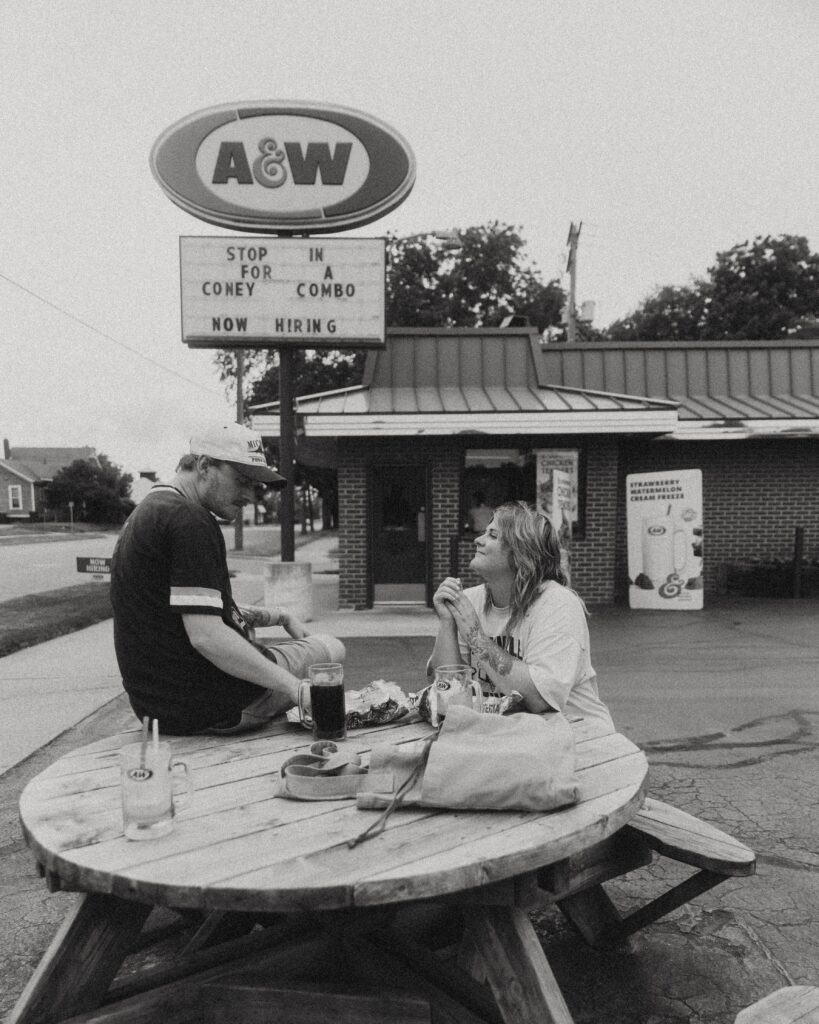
100 568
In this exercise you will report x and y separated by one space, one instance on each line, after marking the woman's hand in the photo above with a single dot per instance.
455 605
464 616
443 596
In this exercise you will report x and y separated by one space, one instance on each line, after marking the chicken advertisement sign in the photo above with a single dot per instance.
555 500
664 514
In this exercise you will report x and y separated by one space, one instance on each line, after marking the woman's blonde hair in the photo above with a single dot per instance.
534 554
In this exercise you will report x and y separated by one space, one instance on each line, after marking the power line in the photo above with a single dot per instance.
102 334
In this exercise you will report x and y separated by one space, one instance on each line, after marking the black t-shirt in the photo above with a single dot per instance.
170 559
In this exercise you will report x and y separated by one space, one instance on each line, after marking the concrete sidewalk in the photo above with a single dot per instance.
725 702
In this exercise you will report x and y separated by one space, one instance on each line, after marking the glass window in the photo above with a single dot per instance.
15 498
491 477
495 475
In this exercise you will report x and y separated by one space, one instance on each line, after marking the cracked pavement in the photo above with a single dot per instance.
725 702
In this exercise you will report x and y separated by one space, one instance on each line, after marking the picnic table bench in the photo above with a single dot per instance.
795 1004
656 828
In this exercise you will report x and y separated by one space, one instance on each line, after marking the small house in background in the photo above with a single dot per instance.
143 483
25 472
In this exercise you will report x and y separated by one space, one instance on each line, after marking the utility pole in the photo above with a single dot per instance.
238 525
571 268
287 455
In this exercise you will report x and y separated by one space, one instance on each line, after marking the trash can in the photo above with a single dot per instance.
289 585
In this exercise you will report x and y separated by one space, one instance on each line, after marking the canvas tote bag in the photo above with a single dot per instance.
478 762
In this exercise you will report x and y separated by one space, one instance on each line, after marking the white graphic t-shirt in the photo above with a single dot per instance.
553 640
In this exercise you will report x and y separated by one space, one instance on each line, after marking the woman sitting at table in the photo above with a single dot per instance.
523 629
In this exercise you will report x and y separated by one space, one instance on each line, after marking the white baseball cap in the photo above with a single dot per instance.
232 442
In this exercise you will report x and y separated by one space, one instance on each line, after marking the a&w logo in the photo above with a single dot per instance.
292 164
270 167
306 164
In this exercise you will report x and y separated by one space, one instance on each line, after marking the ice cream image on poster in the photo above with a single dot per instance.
664 545
665 540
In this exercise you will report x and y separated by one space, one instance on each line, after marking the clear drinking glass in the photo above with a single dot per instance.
453 684
147 776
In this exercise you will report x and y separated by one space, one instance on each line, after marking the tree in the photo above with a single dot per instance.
762 288
767 288
476 283
672 313
101 493
314 370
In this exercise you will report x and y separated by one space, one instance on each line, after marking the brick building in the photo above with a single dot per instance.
443 416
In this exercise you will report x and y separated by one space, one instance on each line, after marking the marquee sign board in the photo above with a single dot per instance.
272 292
283 167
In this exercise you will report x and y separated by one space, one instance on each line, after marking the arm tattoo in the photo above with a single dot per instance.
487 650
258 617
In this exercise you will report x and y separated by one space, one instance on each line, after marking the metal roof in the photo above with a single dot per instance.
474 380
46 463
740 388
23 471
453 400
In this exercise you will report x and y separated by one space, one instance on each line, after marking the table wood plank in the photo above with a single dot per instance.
241 847
82 959
797 1004
517 970
427 859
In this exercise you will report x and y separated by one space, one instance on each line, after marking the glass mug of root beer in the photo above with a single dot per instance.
328 714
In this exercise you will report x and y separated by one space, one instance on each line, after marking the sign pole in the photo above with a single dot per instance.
287 455
238 525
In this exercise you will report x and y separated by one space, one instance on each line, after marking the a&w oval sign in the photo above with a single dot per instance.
282 166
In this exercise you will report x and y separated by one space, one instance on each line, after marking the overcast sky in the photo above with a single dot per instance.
671 130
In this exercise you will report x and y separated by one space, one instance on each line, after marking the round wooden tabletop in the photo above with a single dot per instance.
238 846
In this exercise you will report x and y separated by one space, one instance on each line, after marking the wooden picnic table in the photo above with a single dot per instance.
241 849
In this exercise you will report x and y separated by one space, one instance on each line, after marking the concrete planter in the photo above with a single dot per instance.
289 585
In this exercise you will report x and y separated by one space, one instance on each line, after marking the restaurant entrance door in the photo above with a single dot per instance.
399 534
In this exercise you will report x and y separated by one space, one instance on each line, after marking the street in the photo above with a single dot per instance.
44 565
32 568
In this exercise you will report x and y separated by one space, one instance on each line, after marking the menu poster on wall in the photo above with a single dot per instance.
664 515
566 461
557 498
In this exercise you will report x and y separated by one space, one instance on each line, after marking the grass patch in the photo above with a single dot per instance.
6 540
26 621
12 529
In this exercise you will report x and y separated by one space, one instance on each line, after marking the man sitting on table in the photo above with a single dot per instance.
184 647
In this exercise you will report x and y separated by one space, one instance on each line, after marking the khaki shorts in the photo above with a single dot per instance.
295 656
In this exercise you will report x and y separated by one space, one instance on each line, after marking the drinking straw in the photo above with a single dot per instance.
156 737
144 742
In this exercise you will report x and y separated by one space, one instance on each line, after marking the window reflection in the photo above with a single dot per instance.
495 475
491 477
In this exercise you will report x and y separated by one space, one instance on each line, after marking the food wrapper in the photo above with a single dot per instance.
377 704
491 704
